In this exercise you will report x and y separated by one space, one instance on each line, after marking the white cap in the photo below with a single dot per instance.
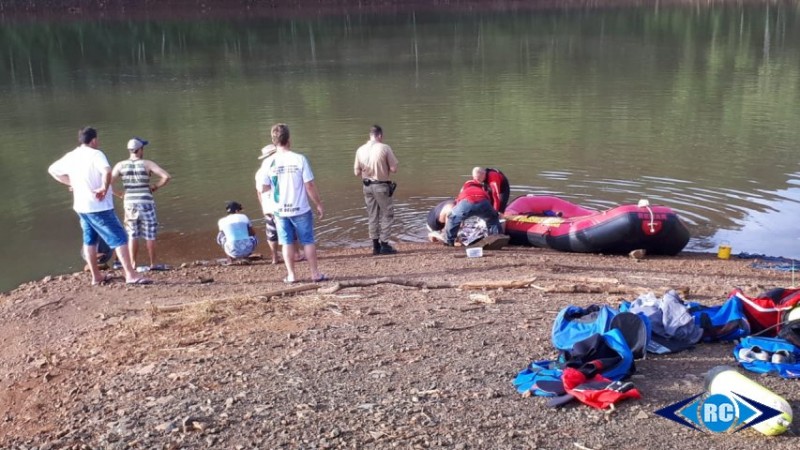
268 151
136 143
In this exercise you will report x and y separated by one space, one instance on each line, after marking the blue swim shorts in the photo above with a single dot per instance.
240 248
103 224
301 226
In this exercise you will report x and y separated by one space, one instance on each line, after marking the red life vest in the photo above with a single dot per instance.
497 183
473 192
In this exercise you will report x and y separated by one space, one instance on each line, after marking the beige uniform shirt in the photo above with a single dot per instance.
373 160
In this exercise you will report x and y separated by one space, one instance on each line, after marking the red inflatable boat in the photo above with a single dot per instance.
551 222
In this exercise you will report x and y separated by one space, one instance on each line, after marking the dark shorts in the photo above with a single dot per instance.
103 224
272 231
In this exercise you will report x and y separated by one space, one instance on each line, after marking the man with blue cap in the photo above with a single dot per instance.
140 206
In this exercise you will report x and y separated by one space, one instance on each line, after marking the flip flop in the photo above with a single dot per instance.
160 267
322 277
140 281
106 279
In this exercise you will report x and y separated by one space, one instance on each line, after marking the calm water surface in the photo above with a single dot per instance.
694 108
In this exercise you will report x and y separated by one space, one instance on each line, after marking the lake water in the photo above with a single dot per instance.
695 108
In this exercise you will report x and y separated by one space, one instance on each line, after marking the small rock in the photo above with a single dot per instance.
637 254
641 415
146 370
41 362
192 423
481 298
166 427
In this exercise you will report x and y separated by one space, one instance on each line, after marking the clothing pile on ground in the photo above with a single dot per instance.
777 263
597 345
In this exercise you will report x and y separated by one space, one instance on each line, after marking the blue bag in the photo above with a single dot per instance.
725 322
574 324
769 345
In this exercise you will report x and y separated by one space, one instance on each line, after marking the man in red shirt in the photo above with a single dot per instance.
499 188
472 201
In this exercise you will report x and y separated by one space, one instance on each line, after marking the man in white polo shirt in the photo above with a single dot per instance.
87 173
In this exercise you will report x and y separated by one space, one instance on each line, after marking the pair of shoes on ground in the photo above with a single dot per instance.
107 279
383 249
322 277
757 354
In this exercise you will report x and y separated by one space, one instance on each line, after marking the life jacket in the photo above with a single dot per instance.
498 187
766 312
473 192
590 388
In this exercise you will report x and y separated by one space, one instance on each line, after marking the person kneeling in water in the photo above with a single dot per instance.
236 235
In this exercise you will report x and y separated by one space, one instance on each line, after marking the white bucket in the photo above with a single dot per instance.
475 252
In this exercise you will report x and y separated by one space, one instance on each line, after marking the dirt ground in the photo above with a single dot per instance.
378 366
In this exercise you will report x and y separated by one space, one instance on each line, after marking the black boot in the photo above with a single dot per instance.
387 249
376 247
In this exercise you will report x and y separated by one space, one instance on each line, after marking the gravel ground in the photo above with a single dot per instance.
376 366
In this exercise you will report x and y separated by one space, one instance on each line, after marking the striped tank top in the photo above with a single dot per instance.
136 180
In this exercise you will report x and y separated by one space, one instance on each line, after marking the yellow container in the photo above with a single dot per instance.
726 380
724 251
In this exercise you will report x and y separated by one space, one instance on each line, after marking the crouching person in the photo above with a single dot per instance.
236 235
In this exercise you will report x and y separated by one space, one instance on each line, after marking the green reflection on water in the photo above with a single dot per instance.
675 104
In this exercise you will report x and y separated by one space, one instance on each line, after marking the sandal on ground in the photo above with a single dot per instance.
140 281
322 277
106 279
159 267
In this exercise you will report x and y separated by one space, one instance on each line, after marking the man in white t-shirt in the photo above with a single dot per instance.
291 185
268 204
87 173
236 235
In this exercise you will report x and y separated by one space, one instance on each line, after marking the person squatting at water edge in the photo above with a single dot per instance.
140 206
497 184
471 201
437 219
88 174
236 235
290 182
268 205
374 163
